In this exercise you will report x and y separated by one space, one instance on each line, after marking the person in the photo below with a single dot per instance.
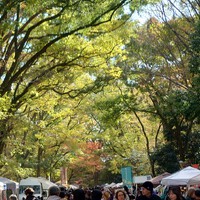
164 195
131 196
120 195
197 194
147 192
62 195
128 192
54 192
174 193
96 194
13 197
88 194
138 192
190 194
112 193
106 195
29 194
78 194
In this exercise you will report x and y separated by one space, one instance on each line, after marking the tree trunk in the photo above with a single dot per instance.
39 162
3 134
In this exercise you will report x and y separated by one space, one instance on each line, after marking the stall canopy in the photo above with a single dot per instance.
157 180
187 176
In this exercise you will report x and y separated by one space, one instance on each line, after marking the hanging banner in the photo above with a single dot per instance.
127 176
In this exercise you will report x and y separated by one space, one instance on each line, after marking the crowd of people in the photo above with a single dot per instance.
145 192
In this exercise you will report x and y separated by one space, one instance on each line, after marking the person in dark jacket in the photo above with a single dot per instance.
147 192
29 194
79 194
96 194
197 194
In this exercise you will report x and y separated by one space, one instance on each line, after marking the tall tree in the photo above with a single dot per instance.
50 53
39 52
158 66
123 129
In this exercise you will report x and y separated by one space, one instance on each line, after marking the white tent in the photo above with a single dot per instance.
187 176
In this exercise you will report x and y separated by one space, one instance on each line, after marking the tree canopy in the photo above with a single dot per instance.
84 86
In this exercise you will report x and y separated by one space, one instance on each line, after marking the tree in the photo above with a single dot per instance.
120 128
158 67
87 164
194 67
38 52
166 159
53 54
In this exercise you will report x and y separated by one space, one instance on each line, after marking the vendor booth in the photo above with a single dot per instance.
187 176
7 187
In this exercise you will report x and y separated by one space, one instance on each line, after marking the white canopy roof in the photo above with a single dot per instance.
36 180
6 183
187 176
